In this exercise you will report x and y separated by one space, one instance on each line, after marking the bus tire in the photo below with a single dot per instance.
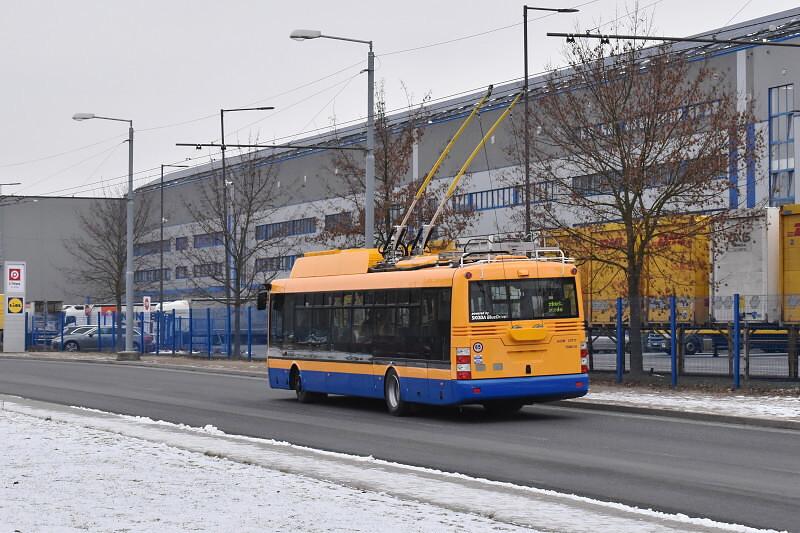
296 384
393 395
503 407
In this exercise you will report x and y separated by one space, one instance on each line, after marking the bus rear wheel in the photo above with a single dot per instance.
503 407
296 384
391 392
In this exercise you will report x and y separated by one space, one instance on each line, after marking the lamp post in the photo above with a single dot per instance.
161 238
129 352
225 223
369 166
527 195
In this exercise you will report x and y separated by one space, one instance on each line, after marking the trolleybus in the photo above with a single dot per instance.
486 325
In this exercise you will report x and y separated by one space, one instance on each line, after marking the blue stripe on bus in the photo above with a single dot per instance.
437 391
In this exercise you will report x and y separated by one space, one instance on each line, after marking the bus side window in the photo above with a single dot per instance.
362 330
276 315
443 323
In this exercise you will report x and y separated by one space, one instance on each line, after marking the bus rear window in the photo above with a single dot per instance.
522 299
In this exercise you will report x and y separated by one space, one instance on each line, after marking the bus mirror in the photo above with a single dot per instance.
261 299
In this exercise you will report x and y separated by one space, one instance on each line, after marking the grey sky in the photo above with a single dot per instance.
164 63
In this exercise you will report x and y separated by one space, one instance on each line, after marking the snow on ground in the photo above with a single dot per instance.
60 477
70 469
740 405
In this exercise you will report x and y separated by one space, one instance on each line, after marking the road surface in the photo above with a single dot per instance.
731 473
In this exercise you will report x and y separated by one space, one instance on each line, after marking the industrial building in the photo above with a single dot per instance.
305 197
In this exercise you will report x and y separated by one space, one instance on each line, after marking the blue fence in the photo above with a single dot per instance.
736 350
196 331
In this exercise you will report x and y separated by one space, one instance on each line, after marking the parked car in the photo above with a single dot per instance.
692 343
91 338
606 343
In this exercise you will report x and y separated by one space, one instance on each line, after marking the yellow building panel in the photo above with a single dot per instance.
790 259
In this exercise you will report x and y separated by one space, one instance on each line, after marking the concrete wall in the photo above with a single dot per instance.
37 230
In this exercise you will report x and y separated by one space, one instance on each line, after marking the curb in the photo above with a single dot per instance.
187 368
688 415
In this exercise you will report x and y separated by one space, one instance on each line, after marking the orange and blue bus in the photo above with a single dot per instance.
499 330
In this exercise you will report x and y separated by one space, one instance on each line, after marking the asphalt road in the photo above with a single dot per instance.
746 475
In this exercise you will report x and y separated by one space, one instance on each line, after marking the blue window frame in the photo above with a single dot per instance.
181 243
275 264
155 274
338 221
149 248
207 270
207 240
489 199
287 228
181 272
781 145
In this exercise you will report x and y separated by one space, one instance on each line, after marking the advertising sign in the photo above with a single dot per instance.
15 278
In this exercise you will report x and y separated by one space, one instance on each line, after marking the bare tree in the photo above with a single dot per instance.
630 152
231 231
394 191
101 250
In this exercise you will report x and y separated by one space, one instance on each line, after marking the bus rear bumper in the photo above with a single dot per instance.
533 389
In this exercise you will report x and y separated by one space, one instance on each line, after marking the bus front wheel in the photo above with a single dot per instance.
394 400
303 396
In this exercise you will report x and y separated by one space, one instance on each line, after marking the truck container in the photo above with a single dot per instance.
679 268
790 262
746 261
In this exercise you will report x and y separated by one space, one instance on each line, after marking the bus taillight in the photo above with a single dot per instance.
584 358
463 368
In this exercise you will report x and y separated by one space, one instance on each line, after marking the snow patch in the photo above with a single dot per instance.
473 504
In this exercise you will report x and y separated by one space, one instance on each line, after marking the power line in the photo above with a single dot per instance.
473 35
444 103
53 156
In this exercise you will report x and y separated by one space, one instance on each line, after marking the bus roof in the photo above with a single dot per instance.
343 270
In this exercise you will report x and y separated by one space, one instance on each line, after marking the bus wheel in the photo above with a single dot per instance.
303 396
503 407
391 392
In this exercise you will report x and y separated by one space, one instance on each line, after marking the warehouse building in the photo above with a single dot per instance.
305 197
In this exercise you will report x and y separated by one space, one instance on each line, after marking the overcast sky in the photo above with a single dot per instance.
170 65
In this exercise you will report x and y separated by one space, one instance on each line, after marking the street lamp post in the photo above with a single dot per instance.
369 164
129 352
526 140
225 222
161 238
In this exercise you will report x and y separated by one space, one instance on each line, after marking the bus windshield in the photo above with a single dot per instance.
522 299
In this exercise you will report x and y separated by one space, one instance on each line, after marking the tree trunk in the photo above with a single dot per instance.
237 323
635 323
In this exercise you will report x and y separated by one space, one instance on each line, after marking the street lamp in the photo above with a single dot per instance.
525 10
129 353
369 167
161 239
225 201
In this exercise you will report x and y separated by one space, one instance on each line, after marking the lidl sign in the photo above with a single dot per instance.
15 305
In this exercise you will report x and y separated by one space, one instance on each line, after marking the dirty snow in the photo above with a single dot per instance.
739 405
69 469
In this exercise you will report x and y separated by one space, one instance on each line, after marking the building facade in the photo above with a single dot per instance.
307 191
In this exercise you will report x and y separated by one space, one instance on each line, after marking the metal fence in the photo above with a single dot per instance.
741 348
206 331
